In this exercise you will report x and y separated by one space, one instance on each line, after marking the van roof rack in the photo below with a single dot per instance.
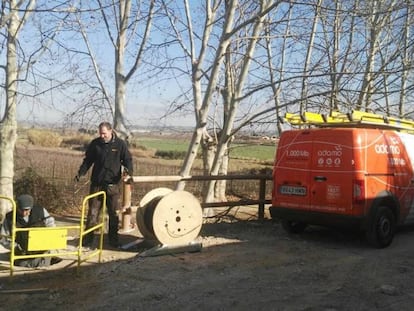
355 118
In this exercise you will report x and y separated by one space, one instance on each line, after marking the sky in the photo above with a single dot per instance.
142 112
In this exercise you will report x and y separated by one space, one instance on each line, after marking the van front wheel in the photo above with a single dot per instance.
293 226
382 228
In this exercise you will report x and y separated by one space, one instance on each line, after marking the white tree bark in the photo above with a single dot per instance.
8 125
407 59
122 77
234 100
307 63
275 82
379 16
120 34
202 103
335 59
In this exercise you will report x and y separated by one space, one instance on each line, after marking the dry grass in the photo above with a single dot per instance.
44 138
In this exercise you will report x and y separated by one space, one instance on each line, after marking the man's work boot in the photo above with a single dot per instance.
114 241
88 240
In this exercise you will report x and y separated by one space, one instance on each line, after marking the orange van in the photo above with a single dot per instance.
354 176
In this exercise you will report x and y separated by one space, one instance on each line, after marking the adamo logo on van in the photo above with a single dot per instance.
329 153
387 149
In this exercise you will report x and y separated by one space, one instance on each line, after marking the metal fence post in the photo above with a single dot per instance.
262 195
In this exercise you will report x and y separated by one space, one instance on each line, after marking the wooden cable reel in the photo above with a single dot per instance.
171 217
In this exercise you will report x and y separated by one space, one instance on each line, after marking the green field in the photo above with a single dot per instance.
164 144
249 151
240 151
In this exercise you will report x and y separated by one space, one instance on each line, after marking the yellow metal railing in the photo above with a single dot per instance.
55 238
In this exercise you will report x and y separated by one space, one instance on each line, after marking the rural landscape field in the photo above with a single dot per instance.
47 161
244 263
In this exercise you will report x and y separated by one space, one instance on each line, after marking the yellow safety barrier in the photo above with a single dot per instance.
55 238
354 118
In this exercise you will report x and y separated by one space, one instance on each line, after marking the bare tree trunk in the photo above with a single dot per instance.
226 135
347 53
8 126
211 192
209 149
365 93
120 82
277 87
221 185
378 17
121 34
304 91
335 59
406 60
202 107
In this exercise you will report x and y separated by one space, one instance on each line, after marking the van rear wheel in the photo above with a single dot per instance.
382 228
291 226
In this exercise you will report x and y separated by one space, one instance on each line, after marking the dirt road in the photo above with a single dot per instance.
247 265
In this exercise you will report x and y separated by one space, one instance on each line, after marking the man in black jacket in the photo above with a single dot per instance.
108 154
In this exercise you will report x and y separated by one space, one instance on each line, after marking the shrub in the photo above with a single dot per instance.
44 193
172 155
44 138
81 140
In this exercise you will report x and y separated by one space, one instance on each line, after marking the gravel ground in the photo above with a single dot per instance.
243 265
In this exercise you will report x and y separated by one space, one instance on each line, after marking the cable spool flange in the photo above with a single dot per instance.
171 217
145 211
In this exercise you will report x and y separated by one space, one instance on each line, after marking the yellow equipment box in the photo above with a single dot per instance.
41 239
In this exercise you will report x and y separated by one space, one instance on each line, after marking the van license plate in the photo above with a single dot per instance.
292 190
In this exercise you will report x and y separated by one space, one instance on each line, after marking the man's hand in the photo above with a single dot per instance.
127 178
125 175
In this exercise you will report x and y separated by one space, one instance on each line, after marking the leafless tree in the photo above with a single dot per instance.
334 64
232 24
24 79
406 57
11 23
307 62
276 76
127 26
377 18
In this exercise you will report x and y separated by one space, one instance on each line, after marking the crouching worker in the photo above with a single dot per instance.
28 215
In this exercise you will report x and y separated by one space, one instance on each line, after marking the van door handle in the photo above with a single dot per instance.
320 178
